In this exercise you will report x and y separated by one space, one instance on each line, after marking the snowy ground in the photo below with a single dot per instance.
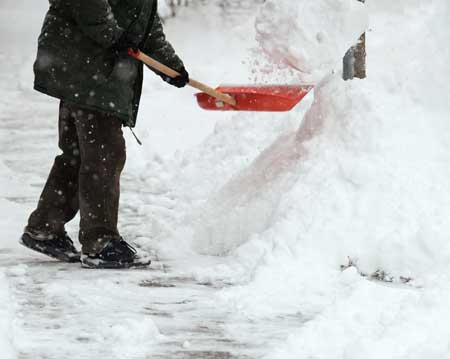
250 216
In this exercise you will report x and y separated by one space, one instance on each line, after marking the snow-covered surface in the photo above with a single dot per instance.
6 315
249 217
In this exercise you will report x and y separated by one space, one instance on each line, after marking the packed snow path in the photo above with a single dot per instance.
61 310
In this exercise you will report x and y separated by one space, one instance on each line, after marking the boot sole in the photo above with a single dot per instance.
89 263
32 244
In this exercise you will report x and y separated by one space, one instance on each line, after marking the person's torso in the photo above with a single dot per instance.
71 65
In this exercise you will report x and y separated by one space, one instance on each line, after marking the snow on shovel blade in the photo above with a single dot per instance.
256 98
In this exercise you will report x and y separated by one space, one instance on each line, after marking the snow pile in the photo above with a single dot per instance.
311 36
355 147
347 193
6 346
365 176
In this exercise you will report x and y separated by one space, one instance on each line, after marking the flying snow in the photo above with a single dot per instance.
290 33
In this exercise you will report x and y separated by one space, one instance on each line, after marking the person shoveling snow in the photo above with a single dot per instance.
82 60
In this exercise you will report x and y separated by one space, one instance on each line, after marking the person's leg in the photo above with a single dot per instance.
103 154
58 203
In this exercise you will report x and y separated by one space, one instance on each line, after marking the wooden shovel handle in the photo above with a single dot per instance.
172 73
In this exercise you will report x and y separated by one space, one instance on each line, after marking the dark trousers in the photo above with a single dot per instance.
85 177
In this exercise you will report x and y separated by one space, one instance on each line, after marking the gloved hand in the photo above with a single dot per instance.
179 81
124 44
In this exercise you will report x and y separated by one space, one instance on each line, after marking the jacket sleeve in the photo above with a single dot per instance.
159 48
96 20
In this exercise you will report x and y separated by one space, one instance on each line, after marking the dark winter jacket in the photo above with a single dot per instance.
78 60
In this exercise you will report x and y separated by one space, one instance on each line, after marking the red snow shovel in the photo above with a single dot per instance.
237 98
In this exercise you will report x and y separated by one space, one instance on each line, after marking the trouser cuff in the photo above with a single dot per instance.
94 240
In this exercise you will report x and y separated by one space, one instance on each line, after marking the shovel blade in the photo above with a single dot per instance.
256 98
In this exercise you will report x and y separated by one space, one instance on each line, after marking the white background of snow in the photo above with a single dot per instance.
365 176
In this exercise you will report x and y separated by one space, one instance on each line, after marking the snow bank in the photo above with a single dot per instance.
311 36
6 345
365 176
351 170
344 193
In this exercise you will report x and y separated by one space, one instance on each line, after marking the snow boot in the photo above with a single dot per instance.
117 254
57 246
